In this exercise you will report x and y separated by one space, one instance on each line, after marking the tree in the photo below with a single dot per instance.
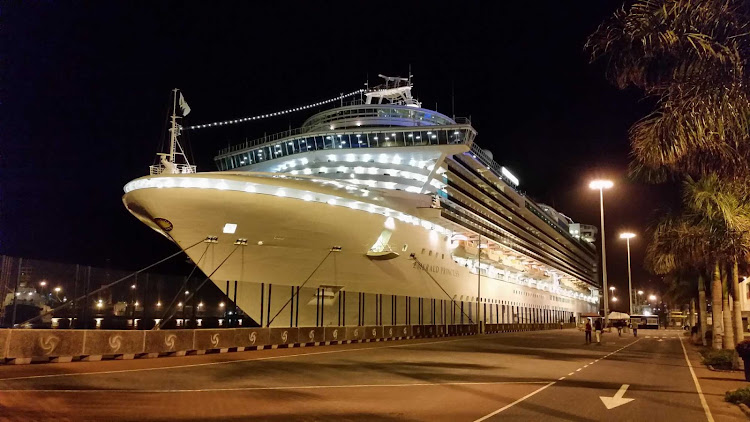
690 57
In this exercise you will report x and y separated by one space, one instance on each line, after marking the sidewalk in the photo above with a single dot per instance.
714 384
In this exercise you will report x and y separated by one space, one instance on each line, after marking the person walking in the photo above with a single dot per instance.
619 328
588 331
598 329
635 329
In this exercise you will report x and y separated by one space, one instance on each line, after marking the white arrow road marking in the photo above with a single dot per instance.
617 400
660 339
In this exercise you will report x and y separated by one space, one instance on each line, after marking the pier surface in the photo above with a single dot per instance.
548 375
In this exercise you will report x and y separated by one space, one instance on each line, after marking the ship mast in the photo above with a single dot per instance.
175 160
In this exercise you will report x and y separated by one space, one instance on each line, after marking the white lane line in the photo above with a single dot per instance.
561 378
291 387
709 417
485 417
591 363
195 365
571 373
514 403
585 366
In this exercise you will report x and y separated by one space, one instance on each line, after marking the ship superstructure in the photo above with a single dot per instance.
376 212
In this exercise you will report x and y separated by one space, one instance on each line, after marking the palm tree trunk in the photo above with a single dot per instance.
739 333
728 341
702 307
716 307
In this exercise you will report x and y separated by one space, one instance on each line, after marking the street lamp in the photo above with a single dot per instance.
614 299
601 185
627 236
652 298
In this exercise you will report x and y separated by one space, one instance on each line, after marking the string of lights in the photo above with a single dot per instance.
278 113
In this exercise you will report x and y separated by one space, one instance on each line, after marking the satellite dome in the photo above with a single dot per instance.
489 154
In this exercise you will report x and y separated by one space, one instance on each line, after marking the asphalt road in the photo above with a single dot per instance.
530 376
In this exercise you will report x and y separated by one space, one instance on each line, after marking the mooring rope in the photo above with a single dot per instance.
105 287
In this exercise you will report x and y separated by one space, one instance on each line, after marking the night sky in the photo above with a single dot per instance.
86 89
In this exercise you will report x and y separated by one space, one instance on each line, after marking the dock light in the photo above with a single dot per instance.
601 184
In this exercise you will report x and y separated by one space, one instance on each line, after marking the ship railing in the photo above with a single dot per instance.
262 140
180 169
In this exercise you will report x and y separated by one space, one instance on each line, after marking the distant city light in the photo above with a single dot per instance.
640 292
43 283
221 305
652 297
132 286
58 289
614 299
627 235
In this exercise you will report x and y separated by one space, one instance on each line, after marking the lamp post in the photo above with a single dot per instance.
627 236
601 185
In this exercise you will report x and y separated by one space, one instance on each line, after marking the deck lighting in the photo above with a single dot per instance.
509 175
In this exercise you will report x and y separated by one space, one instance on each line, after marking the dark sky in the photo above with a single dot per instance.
86 87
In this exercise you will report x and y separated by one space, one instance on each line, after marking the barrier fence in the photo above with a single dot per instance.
22 346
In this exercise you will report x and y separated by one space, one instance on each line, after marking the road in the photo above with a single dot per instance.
531 376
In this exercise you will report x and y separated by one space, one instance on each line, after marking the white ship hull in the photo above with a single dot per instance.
290 240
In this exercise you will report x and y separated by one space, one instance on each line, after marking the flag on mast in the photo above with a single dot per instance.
184 105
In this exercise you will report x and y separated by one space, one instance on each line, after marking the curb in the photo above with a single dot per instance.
745 409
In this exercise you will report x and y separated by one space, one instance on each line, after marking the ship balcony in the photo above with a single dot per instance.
393 137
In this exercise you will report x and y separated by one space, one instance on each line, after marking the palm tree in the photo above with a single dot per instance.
711 232
678 245
690 56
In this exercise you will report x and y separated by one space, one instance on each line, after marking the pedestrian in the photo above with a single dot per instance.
619 328
561 324
588 331
598 329
635 329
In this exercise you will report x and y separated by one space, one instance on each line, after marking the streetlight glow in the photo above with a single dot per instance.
132 286
601 184
640 292
612 288
42 283
627 235
58 289
614 299
652 297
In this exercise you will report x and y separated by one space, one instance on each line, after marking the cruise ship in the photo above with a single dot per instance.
374 212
